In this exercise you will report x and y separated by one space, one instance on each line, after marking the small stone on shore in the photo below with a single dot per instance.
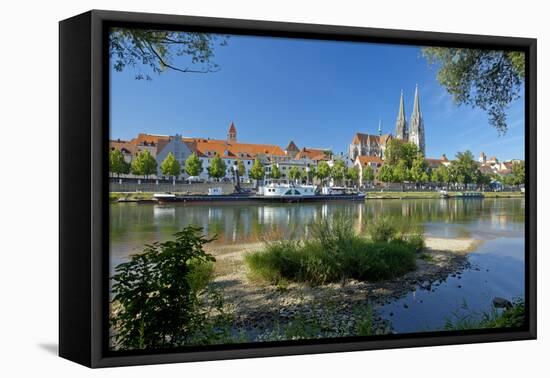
499 302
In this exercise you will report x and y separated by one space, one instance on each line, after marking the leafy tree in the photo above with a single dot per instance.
397 150
418 169
352 174
275 172
508 180
465 168
368 174
425 177
393 152
483 180
338 171
144 164
323 170
257 172
401 172
117 164
217 167
156 50
156 304
312 174
193 165
241 168
170 166
518 173
409 152
440 175
487 79
385 174
294 173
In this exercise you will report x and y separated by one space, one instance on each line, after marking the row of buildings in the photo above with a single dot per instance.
230 150
364 149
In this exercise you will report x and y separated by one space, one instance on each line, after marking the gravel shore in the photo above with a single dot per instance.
260 305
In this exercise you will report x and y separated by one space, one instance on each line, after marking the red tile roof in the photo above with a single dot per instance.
211 147
124 146
312 154
364 160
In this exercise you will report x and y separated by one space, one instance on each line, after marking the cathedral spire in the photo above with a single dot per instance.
416 134
416 106
401 124
380 127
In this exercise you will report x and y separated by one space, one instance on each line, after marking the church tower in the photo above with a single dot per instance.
401 124
416 133
232 133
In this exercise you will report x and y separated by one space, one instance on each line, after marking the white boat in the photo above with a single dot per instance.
333 190
277 190
215 191
164 197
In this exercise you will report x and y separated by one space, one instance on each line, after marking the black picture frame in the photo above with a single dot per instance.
83 181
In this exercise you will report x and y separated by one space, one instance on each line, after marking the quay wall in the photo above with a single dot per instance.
178 187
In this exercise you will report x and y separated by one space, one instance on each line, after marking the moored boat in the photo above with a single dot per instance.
165 197
305 193
469 195
272 192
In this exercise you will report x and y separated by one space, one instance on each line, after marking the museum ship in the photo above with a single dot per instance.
272 192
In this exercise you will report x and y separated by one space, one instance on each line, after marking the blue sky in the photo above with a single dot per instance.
317 93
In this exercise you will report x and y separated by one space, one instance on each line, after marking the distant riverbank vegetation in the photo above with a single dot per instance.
335 253
404 164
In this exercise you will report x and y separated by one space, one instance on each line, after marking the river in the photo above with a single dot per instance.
497 264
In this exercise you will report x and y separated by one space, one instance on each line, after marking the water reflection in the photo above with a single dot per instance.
499 260
498 271
133 225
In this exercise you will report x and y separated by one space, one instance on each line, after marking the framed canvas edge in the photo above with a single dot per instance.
98 134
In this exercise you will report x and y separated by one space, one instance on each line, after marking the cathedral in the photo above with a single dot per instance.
415 133
375 145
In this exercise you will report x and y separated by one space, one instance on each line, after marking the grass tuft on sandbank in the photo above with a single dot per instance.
334 253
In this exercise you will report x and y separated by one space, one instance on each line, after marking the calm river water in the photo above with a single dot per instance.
497 263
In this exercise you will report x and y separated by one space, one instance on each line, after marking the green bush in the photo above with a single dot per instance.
333 254
157 295
381 229
416 241
200 274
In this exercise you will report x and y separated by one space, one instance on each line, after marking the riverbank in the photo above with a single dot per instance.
130 196
436 195
148 196
265 305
